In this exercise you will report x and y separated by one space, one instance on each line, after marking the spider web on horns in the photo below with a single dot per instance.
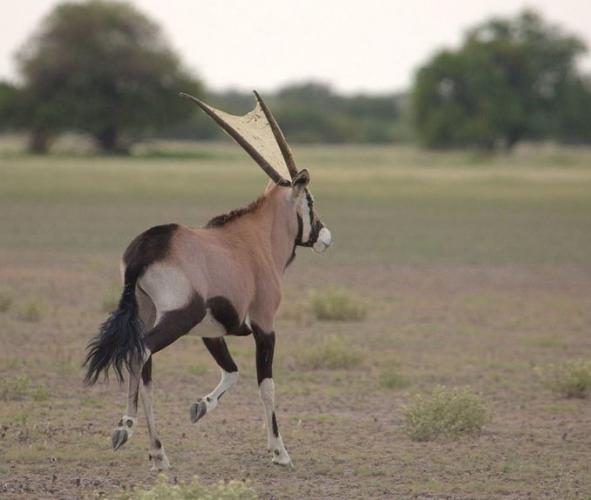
255 129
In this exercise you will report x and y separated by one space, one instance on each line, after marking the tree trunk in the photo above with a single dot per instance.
39 141
108 141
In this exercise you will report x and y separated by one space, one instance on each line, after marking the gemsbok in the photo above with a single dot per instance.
221 279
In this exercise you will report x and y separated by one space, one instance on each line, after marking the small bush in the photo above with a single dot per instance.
572 379
31 311
195 490
446 413
336 304
331 353
391 379
40 393
12 389
5 301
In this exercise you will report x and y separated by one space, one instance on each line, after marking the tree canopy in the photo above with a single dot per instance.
101 67
512 79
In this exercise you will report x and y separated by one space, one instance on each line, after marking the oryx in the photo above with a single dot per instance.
221 279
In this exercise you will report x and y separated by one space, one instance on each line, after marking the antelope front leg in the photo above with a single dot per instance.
265 347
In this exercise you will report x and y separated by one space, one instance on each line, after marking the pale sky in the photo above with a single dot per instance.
354 45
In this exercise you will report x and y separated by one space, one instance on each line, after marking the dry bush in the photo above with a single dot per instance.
445 413
337 304
332 353
195 490
571 379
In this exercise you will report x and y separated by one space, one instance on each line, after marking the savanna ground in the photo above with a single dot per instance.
475 271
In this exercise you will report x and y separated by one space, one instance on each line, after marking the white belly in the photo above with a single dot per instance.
209 327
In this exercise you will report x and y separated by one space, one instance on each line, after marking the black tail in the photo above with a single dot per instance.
120 338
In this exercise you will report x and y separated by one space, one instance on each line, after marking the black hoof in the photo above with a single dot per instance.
119 438
198 410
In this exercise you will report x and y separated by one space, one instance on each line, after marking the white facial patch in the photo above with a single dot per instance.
324 240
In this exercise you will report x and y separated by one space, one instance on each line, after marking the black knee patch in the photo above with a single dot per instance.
275 428
265 343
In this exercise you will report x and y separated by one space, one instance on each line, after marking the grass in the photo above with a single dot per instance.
30 311
194 490
481 269
570 380
445 413
337 304
332 352
14 388
5 301
391 379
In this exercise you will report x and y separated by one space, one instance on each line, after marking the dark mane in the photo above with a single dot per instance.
223 219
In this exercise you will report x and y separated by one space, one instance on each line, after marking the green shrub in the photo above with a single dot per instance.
30 311
40 393
446 413
392 379
571 379
5 301
195 490
332 353
336 304
12 389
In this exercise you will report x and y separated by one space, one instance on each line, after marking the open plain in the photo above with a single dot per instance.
475 272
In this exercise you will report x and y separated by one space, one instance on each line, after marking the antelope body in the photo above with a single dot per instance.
222 279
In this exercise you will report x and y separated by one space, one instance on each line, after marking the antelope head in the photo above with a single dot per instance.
258 133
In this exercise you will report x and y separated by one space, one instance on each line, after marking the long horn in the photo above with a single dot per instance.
232 132
279 137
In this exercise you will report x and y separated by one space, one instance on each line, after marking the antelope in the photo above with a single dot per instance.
221 279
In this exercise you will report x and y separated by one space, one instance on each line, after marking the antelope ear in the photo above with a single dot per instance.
301 180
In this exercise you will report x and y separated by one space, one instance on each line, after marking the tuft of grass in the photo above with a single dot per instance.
195 490
337 304
571 379
445 413
332 353
14 389
392 379
5 301
30 311
40 393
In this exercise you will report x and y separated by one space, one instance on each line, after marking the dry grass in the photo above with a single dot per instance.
445 413
194 490
571 379
337 304
31 311
332 352
5 301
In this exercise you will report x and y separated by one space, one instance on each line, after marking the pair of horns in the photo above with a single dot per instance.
228 123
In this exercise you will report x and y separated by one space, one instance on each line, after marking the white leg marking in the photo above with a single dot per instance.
274 442
210 401
157 455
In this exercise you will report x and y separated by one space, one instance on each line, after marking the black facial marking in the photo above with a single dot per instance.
218 348
265 347
175 324
275 428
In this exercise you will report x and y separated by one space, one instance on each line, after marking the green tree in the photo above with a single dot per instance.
512 79
101 67
8 108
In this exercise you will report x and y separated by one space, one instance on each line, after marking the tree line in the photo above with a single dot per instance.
103 68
